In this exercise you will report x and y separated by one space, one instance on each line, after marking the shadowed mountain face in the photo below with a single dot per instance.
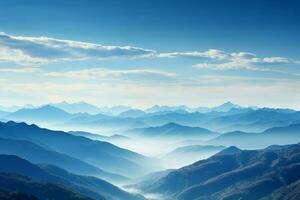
13 195
289 192
95 185
41 190
89 186
100 154
246 175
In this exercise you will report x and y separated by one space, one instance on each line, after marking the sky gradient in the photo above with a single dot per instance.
141 53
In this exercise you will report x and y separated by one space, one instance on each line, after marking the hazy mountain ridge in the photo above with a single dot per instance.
277 135
176 133
190 154
94 136
79 107
173 130
37 154
223 118
94 152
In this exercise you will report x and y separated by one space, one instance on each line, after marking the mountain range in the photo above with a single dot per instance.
277 135
90 187
247 174
38 154
172 130
99 149
190 154
117 160
224 118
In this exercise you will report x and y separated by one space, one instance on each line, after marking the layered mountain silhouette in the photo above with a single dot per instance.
100 154
248 174
37 154
253 120
132 113
161 109
173 130
277 135
42 114
88 186
225 107
221 108
79 107
112 138
40 162
224 118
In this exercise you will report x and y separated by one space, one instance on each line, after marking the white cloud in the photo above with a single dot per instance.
275 60
103 73
20 70
243 60
211 53
39 50
220 55
223 66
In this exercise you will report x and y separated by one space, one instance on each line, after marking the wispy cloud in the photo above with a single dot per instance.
221 60
20 70
104 73
39 50
211 53
222 55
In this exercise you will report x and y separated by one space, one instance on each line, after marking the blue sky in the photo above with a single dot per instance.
141 53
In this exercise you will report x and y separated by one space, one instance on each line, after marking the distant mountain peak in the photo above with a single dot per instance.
163 108
48 106
229 104
132 113
44 108
225 107
229 150
171 125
